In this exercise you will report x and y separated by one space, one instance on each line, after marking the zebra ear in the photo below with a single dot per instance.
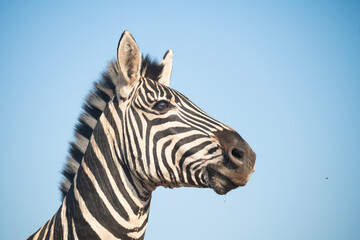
129 63
166 73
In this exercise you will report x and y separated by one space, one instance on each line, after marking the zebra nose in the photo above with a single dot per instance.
236 150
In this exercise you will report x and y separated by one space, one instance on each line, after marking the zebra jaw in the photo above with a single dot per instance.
222 179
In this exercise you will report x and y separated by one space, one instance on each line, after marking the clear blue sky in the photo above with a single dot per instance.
285 74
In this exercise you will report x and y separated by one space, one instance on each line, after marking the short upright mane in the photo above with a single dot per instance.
95 103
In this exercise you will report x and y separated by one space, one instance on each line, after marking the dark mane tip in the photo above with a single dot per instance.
151 68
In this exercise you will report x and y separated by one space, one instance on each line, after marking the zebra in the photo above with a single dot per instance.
136 133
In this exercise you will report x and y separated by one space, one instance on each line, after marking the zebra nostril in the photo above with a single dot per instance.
236 155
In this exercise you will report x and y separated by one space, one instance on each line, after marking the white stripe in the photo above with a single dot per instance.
81 142
74 230
64 222
73 165
89 120
96 101
52 229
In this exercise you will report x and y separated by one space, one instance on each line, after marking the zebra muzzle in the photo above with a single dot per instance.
236 165
237 152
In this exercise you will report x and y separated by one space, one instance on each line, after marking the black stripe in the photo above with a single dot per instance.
106 80
147 146
149 88
197 177
57 226
93 111
160 91
111 120
160 121
156 161
102 95
68 174
75 152
168 93
84 129
166 164
69 223
138 122
135 161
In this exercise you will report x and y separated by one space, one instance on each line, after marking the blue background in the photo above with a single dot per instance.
285 74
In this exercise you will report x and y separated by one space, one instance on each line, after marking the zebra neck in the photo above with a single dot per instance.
106 200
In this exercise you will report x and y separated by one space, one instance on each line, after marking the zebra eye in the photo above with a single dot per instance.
161 105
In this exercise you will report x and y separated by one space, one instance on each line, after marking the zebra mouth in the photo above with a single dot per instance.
222 180
218 182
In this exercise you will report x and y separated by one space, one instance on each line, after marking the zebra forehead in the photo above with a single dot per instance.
154 90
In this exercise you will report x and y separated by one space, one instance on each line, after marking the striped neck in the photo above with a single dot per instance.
106 200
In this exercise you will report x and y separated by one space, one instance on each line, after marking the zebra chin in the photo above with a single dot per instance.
222 179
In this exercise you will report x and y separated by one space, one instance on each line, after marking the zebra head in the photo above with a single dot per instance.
169 141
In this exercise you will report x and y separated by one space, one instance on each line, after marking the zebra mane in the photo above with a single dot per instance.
96 101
